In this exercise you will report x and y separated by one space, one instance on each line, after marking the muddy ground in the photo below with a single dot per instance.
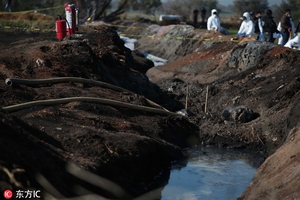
133 148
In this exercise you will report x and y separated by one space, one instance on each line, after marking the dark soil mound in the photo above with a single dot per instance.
128 147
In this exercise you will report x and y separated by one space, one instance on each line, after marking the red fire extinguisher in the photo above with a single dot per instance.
60 27
70 17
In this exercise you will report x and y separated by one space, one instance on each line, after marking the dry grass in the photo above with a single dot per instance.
27 20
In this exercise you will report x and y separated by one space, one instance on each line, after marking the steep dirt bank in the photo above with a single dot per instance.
253 91
278 177
260 76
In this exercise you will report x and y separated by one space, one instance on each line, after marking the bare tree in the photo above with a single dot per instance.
241 6
186 7
97 9
294 5
115 13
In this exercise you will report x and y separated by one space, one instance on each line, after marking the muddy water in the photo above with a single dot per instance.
211 173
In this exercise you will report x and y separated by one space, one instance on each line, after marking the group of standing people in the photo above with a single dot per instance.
266 28
196 13
263 26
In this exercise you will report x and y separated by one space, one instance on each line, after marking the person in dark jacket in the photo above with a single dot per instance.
8 6
269 26
203 14
258 29
195 13
286 26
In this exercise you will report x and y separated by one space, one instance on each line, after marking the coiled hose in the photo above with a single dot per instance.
11 81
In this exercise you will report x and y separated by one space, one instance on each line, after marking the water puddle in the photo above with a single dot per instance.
211 173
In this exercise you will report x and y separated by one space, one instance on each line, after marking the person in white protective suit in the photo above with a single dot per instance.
214 23
295 42
247 26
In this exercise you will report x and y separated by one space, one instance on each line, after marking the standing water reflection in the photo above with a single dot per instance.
211 173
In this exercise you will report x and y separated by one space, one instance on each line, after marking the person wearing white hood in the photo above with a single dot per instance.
214 23
247 26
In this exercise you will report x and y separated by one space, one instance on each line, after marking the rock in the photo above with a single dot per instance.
247 54
40 62
240 114
183 112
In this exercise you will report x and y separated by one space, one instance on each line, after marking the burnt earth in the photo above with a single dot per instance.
135 149
130 148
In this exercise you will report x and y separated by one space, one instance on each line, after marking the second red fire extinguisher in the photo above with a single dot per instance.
60 27
70 18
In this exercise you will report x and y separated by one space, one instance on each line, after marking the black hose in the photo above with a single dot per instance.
68 24
12 81
87 99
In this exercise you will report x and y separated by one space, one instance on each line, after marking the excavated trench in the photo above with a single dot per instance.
238 94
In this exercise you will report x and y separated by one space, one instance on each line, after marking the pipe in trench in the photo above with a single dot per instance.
11 81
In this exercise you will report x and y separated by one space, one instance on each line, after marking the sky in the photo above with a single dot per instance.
227 2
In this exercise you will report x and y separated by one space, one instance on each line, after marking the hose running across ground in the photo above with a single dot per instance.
90 100
12 81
